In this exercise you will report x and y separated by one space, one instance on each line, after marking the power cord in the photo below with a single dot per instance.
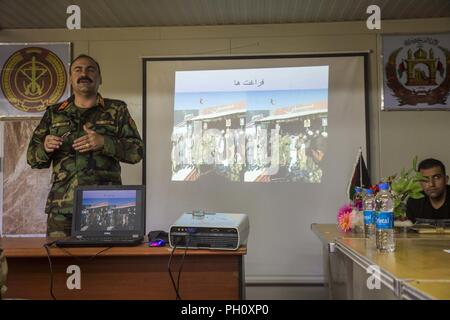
176 286
182 263
178 297
87 258
47 249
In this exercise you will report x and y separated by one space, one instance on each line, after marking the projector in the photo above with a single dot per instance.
209 230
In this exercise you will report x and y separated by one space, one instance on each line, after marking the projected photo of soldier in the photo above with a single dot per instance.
213 142
282 142
248 125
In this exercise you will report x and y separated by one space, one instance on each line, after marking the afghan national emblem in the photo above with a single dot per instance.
33 78
419 72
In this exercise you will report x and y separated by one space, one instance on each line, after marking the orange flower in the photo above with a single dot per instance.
344 217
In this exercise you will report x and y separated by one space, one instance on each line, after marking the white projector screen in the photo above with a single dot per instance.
274 137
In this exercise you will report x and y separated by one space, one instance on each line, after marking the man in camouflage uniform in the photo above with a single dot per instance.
3 273
285 155
84 138
316 154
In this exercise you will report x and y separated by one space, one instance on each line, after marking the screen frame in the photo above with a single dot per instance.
364 54
298 213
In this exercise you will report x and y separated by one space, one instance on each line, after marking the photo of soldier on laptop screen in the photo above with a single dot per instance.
110 210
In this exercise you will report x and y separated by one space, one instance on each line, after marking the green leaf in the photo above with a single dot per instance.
416 188
419 177
399 185
414 164
399 212
416 195
396 186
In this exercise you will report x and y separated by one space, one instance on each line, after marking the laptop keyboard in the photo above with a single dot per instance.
106 239
99 241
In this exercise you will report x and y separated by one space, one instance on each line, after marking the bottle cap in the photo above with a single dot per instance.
384 186
369 191
358 189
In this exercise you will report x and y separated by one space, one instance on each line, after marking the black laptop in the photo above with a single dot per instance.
107 216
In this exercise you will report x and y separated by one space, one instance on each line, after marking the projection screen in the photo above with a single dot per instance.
275 137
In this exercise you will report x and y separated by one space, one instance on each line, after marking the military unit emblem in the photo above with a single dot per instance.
33 78
418 72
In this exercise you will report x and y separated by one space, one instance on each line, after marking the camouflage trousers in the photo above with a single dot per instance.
59 225
3 273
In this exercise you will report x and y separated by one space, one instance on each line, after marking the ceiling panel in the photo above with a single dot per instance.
16 14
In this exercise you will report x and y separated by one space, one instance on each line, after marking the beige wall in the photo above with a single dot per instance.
395 136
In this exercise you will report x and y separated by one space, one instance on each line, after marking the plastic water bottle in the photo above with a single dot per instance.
358 217
385 220
369 214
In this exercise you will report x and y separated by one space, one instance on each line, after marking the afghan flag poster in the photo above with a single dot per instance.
416 72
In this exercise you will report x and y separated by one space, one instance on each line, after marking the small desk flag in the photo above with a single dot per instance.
360 176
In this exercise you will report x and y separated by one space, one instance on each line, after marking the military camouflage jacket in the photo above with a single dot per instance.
3 273
71 168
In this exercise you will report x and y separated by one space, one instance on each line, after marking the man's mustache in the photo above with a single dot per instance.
84 78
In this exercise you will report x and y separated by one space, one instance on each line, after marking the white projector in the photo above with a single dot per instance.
209 230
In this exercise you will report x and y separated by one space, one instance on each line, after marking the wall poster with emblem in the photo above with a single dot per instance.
33 75
416 72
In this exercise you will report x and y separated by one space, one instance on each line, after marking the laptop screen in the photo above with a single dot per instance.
109 210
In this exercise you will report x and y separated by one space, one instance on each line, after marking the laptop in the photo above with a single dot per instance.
423 225
107 216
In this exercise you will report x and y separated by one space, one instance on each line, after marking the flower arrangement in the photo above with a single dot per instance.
344 217
405 185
